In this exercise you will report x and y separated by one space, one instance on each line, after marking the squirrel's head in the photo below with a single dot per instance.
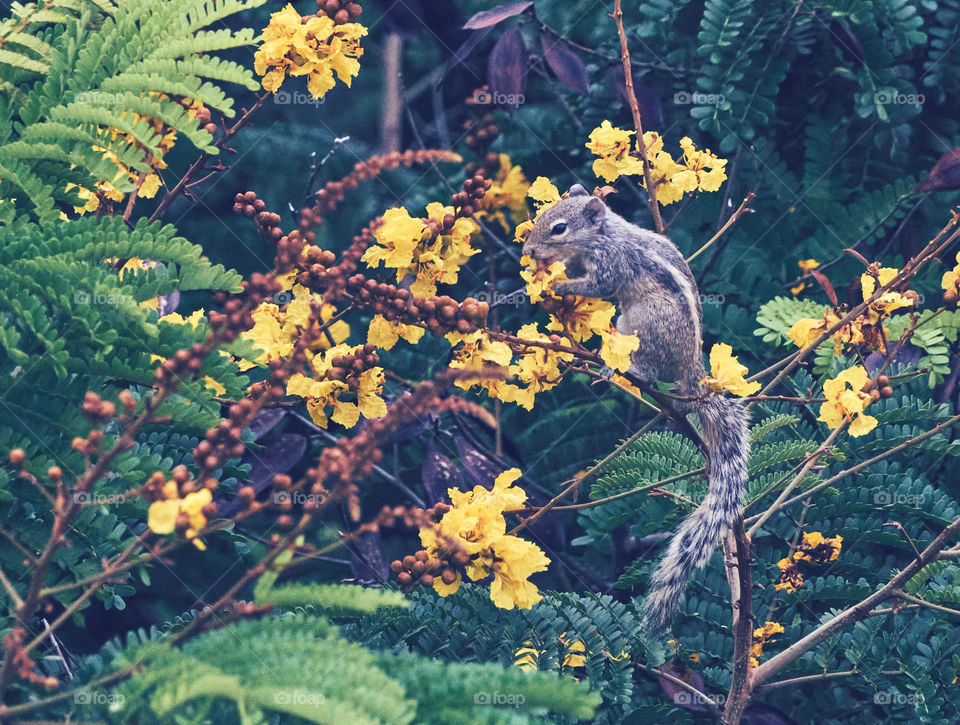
568 228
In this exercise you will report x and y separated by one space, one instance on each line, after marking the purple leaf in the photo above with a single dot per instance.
945 174
278 457
565 63
489 18
479 467
367 560
266 420
507 70
651 111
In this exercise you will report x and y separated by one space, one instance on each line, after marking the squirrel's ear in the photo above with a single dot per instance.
577 190
594 209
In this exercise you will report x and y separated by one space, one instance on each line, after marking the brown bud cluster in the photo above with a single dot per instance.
467 201
481 133
95 410
338 11
13 643
878 387
255 209
421 568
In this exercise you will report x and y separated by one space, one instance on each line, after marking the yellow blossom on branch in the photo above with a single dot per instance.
617 348
806 265
816 549
806 331
323 390
316 48
888 301
846 401
162 515
950 282
506 199
726 373
585 318
398 237
385 333
612 145
540 277
762 635
475 524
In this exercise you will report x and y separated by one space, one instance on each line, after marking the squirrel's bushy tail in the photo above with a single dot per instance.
727 437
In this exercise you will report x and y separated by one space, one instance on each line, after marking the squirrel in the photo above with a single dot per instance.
607 256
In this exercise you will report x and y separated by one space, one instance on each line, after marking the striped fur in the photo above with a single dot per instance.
660 304
727 435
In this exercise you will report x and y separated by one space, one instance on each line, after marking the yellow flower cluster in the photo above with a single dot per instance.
888 301
322 391
762 635
951 278
536 367
276 329
125 176
697 170
475 523
815 549
572 654
846 401
406 244
544 195
316 48
506 200
807 329
588 316
162 515
385 333
726 373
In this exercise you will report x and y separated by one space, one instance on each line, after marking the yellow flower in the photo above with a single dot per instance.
162 515
847 403
790 577
507 195
385 333
726 373
587 317
815 547
317 48
398 235
612 145
888 301
807 265
761 636
540 277
951 278
475 522
543 192
617 349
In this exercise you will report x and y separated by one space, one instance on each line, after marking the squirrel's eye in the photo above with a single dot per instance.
558 228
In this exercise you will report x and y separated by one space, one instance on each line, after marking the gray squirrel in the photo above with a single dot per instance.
607 256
